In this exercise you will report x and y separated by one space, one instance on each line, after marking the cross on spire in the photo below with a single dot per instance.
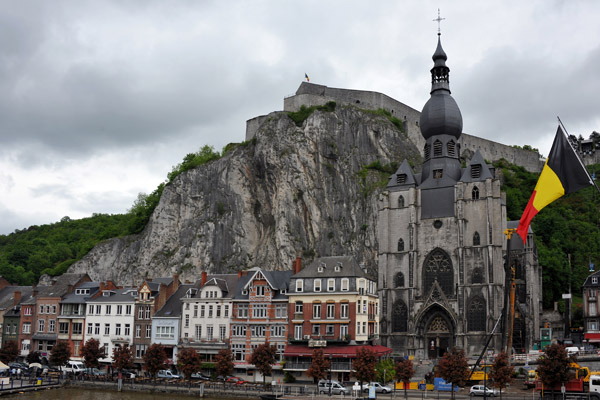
439 21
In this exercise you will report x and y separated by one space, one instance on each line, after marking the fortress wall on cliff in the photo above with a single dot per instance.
310 94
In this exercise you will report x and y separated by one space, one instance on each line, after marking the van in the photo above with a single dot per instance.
167 374
572 350
74 367
336 387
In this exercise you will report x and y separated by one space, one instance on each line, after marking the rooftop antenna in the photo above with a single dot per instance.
439 20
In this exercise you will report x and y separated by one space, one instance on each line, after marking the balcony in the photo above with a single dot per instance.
119 339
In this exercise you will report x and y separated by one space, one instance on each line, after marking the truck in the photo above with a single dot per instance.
573 389
480 374
531 378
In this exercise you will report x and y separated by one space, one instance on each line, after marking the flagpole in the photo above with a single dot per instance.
578 158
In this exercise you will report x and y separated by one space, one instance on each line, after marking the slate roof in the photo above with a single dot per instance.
348 264
7 295
588 280
409 181
484 173
119 296
226 282
172 308
278 280
60 286
73 298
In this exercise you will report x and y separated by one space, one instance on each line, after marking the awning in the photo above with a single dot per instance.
348 351
592 337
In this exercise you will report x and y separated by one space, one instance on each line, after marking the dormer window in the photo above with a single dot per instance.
245 291
476 171
299 285
338 267
317 285
260 290
321 267
401 179
594 280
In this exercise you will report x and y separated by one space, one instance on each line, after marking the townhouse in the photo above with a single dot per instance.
10 301
166 323
591 309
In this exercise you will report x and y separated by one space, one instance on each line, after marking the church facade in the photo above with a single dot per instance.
441 245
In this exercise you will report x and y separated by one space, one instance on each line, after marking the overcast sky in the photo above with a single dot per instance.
99 99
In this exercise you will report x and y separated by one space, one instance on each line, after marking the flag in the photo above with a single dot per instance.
306 76
563 173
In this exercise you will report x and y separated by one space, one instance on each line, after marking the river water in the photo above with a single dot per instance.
87 394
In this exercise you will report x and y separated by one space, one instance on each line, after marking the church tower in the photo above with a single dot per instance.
440 232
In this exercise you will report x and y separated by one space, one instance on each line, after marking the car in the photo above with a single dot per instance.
167 374
479 390
236 380
125 373
95 372
17 365
201 376
325 386
379 388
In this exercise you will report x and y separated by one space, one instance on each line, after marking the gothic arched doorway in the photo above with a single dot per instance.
438 330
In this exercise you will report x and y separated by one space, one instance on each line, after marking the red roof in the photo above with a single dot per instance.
348 351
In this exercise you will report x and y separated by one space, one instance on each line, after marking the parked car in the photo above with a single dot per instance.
235 379
379 388
479 390
126 373
167 374
201 376
74 367
17 365
95 372
336 387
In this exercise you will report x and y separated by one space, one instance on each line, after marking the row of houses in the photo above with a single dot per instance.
330 304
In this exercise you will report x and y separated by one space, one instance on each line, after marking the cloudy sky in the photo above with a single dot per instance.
99 99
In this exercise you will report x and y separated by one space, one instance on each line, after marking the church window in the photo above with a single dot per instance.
477 275
438 173
427 151
399 317
437 224
476 239
451 148
437 148
476 314
438 267
400 245
399 280
401 201
476 171
401 179
475 193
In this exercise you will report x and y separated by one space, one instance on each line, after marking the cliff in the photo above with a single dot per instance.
290 191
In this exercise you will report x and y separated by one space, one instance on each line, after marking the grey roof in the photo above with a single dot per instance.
118 296
588 280
165 281
7 295
172 308
349 268
484 173
73 298
278 280
226 282
409 180
60 286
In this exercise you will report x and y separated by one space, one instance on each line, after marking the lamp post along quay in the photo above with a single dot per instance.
330 367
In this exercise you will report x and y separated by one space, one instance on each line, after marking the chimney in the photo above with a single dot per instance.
162 297
240 274
16 297
101 287
69 289
298 266
34 291
203 279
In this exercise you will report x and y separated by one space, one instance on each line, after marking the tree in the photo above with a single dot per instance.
188 362
122 357
502 372
385 370
155 359
60 353
320 366
453 367
553 366
263 358
92 353
364 365
224 363
404 372
34 357
9 352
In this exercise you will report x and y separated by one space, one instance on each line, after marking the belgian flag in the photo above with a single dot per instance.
563 173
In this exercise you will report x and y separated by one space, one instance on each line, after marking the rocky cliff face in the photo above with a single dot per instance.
292 191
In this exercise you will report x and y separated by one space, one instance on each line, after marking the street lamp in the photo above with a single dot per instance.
330 366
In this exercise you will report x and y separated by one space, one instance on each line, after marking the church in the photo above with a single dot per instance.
442 243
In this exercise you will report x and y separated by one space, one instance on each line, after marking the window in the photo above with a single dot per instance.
299 307
451 148
91 310
438 266
54 309
198 332
298 332
98 309
76 345
344 307
26 328
475 193
593 311
165 332
476 239
140 350
242 310
222 333
316 330
594 280
108 309
259 311
280 310
118 329
218 311
148 331
401 180
226 311
399 280
476 171
317 285
239 352
477 275
202 311
63 327
427 151
96 329
299 285
399 317
437 148
438 173
476 314
592 325
210 311
90 328
127 330
343 331
238 330
147 312
141 311
119 310
27 311
187 320
277 330
128 310
41 325
329 329
330 285
400 245
258 330
260 290
330 311
138 331
77 328
317 311
345 284
209 332
401 200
